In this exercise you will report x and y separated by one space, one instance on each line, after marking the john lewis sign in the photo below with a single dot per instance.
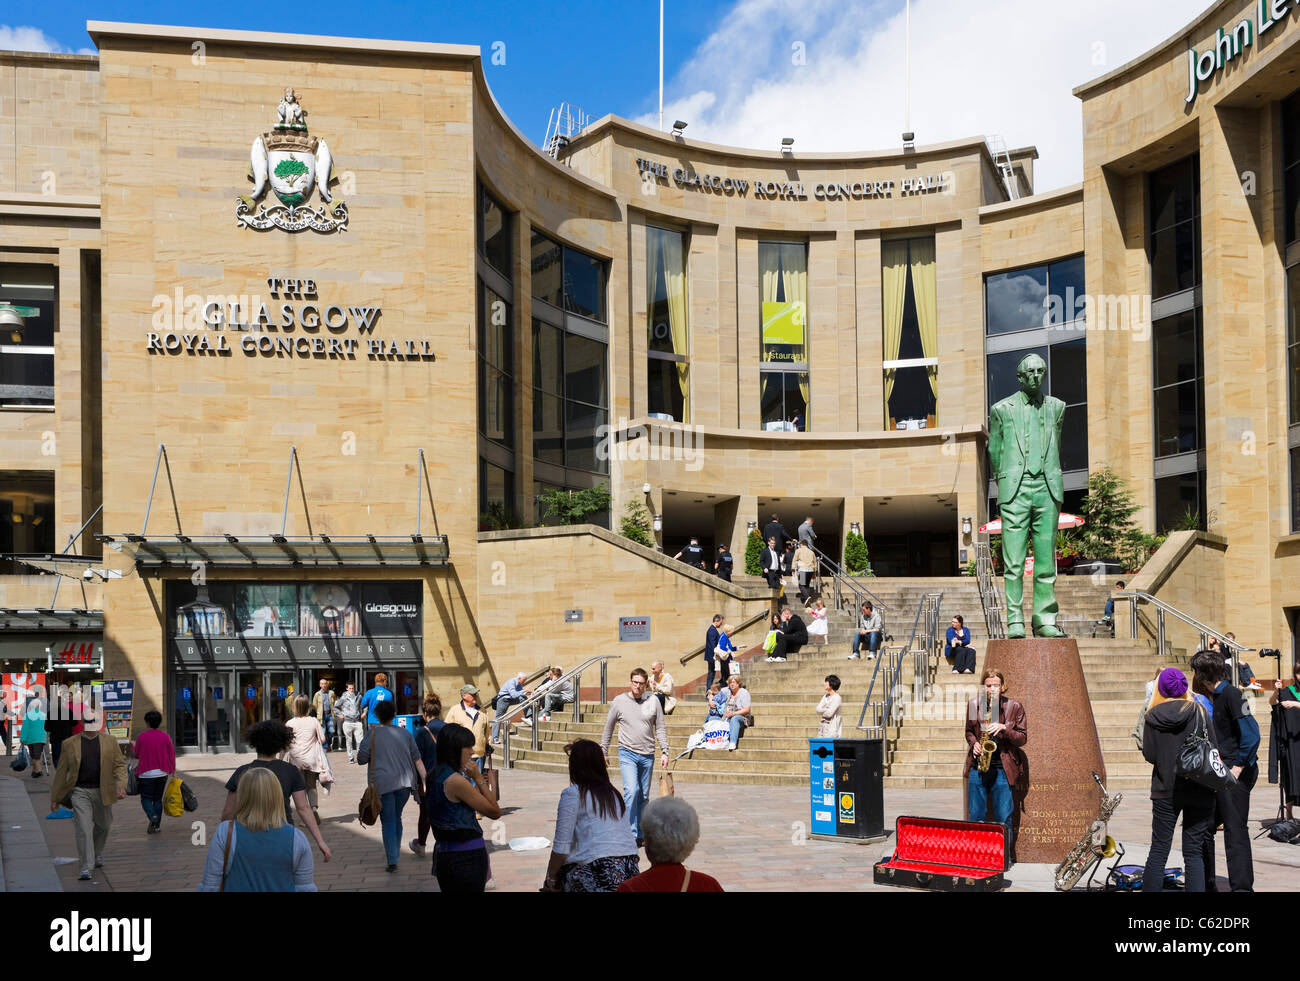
1231 43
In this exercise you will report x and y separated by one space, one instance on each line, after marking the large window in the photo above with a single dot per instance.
783 348
910 310
1293 387
27 355
569 279
1175 228
26 517
1291 165
496 497
570 398
496 374
494 233
1177 360
668 346
1038 296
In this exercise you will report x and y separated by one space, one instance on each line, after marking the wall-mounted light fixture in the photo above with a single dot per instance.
645 488
855 528
965 526
678 126
787 145
751 526
658 523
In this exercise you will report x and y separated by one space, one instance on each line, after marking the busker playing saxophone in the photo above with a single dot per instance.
994 770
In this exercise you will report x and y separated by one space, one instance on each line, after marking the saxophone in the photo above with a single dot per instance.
987 745
1092 847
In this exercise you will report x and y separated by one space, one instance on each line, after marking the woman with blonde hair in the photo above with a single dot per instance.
258 851
305 751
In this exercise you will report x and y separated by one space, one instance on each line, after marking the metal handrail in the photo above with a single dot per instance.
883 711
840 578
536 697
1137 596
744 624
990 596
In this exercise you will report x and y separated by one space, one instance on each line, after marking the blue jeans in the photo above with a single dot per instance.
636 770
151 795
870 641
737 724
505 706
390 821
995 781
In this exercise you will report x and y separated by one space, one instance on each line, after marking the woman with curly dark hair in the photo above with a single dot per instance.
594 848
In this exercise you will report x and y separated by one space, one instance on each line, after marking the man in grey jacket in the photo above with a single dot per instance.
640 719
870 629
806 534
347 707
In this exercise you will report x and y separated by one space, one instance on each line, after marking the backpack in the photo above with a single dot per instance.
1287 832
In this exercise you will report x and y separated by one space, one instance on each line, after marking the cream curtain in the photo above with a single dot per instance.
925 290
675 280
893 288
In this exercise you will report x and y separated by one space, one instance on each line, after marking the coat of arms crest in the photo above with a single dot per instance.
291 163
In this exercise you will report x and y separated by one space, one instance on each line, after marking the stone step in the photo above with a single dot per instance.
694 776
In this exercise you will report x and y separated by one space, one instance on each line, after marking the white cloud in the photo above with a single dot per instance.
832 74
28 39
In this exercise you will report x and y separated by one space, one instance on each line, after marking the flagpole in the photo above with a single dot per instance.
907 47
661 65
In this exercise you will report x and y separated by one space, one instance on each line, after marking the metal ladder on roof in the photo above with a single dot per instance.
564 124
1002 160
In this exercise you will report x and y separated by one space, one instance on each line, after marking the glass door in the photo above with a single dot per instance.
185 710
282 689
220 719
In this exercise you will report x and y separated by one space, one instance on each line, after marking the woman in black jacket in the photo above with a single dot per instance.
1171 716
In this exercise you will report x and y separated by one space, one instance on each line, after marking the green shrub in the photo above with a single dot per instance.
856 562
1108 530
636 524
570 507
754 554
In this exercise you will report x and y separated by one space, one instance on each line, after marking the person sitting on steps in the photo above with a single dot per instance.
791 634
868 634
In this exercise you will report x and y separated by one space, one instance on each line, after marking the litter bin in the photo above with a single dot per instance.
411 723
846 778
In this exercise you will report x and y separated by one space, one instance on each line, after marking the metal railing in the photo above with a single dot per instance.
841 581
1164 609
991 596
747 622
536 698
887 710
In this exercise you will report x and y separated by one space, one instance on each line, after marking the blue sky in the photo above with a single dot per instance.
602 57
828 73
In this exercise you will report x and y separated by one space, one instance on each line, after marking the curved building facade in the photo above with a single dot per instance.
320 354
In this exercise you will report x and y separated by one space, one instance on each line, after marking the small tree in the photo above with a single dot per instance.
754 554
1108 510
574 507
635 525
856 561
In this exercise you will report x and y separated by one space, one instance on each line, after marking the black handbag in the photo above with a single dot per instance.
188 800
1199 761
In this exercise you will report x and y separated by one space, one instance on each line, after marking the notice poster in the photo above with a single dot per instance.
117 698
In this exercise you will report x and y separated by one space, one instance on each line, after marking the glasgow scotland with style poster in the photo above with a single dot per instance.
746 446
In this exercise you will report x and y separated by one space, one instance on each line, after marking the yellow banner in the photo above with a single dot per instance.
783 323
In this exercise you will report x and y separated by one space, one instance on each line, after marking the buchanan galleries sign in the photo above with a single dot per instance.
1231 43
195 324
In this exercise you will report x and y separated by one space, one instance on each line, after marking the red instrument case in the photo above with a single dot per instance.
950 856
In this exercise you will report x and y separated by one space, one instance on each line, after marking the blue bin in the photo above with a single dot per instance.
411 723
821 779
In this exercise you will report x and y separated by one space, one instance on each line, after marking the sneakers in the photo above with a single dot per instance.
955 671
392 868
546 716
871 657
99 863
153 829
416 847
84 877
491 884
854 657
731 747
1254 686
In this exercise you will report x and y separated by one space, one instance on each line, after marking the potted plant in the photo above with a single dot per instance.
1109 530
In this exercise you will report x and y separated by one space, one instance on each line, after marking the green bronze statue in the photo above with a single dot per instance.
1025 447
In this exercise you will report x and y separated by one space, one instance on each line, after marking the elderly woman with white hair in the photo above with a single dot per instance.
672 830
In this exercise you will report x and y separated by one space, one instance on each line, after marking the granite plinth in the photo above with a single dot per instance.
1057 799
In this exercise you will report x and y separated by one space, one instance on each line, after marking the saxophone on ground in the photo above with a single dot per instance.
1093 846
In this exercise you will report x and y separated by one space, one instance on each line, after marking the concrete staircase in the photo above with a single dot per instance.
926 750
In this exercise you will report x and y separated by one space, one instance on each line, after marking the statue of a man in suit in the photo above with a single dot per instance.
1025 447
